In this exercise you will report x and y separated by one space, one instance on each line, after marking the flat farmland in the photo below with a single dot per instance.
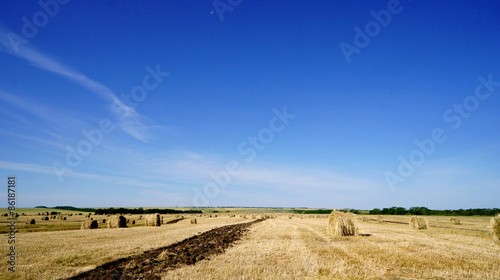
281 248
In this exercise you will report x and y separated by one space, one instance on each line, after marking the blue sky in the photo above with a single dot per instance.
258 93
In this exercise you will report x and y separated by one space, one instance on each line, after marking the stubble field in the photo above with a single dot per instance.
280 248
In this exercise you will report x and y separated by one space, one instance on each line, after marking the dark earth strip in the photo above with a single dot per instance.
152 264
174 221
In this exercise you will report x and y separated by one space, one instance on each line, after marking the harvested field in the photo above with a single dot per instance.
151 264
280 248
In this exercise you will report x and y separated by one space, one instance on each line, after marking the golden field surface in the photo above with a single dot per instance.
281 248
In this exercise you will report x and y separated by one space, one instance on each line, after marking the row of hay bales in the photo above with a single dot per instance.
152 220
345 224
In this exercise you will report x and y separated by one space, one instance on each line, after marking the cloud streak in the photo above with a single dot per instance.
129 120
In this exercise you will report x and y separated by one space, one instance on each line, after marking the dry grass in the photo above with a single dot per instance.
61 254
274 249
302 249
342 224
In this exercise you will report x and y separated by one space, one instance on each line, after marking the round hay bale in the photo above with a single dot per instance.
5 215
364 219
30 222
153 220
89 224
495 228
103 221
419 223
455 221
45 218
380 219
117 222
64 219
194 221
133 222
342 224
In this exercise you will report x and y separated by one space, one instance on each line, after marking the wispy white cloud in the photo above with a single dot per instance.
28 106
129 119
193 169
43 169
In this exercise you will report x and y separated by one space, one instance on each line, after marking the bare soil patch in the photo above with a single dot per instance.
153 263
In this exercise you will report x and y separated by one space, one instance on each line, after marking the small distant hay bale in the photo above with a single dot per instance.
289 217
342 224
89 224
128 221
117 222
194 221
45 218
495 228
455 221
364 219
30 222
133 222
5 215
153 220
103 221
53 217
419 223
380 219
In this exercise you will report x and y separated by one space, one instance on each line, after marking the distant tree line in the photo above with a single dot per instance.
427 211
68 208
141 210
317 211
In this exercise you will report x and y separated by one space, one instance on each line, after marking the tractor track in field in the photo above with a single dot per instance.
152 264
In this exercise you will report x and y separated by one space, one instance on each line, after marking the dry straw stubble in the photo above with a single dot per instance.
89 224
342 224
495 228
420 223
117 222
153 220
